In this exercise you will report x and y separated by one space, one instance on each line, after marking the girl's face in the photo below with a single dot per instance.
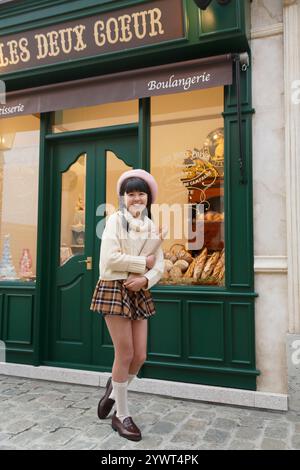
136 202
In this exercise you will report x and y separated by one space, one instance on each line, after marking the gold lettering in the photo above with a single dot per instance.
54 49
155 16
3 59
78 30
142 14
13 50
25 53
66 37
100 39
109 31
42 45
125 28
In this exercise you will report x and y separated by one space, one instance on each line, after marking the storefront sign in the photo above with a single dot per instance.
151 81
151 23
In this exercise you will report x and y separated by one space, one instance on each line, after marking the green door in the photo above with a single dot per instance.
84 176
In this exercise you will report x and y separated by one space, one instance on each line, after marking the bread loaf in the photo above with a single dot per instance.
183 254
182 264
175 272
210 264
200 262
168 264
190 270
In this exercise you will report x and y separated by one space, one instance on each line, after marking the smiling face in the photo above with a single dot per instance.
136 202
136 196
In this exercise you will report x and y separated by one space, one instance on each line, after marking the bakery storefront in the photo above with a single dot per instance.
91 92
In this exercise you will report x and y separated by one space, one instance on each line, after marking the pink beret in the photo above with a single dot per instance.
144 175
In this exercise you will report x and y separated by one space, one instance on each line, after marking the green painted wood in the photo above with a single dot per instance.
75 333
17 317
200 334
229 33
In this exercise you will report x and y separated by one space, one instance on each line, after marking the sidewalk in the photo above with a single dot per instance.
37 414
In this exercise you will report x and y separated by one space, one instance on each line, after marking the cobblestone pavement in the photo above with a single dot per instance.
37 414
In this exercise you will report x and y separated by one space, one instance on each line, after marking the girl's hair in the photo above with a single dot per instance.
134 183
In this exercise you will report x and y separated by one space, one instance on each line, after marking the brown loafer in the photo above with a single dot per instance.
126 429
105 404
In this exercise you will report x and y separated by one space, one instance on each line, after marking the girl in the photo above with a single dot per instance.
124 302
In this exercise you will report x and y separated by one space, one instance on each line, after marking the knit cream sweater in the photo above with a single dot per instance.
119 253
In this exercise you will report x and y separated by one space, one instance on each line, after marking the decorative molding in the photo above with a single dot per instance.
270 264
268 31
291 15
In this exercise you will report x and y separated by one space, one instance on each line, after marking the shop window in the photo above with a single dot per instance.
92 117
114 168
72 235
19 167
187 160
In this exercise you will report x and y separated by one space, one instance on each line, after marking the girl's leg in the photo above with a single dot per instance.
139 340
121 335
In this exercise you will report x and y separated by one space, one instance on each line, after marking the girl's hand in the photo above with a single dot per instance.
136 283
150 261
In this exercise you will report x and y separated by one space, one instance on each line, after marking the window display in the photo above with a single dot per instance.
187 158
19 157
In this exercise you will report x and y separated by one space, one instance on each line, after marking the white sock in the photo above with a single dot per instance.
120 389
130 379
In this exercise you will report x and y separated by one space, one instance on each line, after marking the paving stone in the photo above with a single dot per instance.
297 427
146 419
175 416
194 425
78 444
276 432
148 441
208 416
224 423
38 415
25 439
237 444
273 444
18 426
216 436
162 427
296 441
185 437
61 436
246 432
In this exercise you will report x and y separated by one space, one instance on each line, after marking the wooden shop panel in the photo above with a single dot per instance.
206 331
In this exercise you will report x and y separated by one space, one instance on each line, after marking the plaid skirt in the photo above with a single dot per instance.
113 298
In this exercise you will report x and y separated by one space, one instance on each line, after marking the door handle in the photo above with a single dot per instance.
88 262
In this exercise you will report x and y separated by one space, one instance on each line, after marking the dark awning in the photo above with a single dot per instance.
151 81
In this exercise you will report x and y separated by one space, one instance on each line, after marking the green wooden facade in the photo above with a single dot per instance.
180 345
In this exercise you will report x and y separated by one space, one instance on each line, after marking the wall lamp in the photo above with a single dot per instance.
203 4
